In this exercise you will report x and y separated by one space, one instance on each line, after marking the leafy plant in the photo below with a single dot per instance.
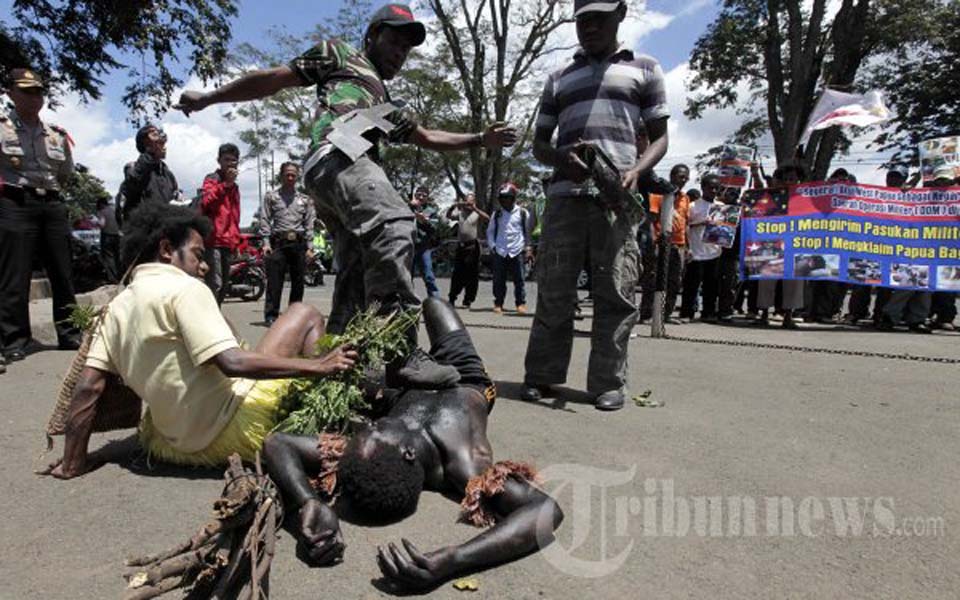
312 405
83 316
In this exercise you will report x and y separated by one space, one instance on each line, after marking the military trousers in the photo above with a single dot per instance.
571 227
373 230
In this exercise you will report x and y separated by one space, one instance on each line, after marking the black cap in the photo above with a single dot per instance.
399 15
587 6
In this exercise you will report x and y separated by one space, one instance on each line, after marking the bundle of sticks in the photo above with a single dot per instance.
230 556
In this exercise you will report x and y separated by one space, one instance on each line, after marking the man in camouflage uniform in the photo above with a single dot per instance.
35 163
606 96
371 223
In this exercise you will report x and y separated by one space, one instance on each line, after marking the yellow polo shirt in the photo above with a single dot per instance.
158 335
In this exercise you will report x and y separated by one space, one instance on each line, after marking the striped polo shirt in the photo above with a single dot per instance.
604 102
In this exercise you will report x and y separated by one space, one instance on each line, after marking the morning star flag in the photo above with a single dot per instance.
840 108
862 234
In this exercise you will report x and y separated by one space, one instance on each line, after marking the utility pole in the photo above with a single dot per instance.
256 128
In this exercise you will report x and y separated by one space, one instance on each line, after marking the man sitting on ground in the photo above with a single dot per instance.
165 337
430 439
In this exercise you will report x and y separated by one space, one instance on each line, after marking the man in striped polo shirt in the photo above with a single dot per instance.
606 96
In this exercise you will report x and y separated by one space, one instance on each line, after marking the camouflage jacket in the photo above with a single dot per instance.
346 80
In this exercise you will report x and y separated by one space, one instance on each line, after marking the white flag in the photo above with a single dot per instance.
839 108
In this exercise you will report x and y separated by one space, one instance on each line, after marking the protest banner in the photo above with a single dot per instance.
939 152
721 227
735 164
862 234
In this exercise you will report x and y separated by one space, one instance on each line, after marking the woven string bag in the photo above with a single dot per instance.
118 407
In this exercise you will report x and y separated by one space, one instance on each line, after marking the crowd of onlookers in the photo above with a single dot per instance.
703 279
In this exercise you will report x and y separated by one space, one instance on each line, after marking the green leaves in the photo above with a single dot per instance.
314 405
75 44
83 316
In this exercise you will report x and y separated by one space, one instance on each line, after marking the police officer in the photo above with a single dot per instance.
286 219
35 162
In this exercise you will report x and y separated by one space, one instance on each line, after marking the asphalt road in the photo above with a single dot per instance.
748 483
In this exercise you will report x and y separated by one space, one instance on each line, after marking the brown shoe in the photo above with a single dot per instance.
497 310
522 309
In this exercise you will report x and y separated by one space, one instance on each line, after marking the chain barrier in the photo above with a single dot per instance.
766 346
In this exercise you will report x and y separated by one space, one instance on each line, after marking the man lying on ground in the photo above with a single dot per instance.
434 440
165 337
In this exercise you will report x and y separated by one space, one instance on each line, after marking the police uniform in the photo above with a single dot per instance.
35 163
285 222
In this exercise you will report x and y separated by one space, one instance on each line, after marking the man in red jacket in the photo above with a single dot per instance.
220 202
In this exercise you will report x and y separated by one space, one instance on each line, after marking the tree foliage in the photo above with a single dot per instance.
496 48
77 43
921 81
82 191
770 58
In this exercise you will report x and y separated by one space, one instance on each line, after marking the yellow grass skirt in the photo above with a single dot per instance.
244 434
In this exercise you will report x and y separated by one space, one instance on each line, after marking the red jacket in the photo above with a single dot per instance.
221 204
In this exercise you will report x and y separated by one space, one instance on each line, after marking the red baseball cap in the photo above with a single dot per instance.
399 16
509 189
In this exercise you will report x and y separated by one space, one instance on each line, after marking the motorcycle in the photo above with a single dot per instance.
88 270
313 273
319 263
248 280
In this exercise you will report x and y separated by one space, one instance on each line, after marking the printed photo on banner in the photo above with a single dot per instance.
816 266
735 164
862 234
948 279
765 203
764 259
721 229
864 270
909 276
937 153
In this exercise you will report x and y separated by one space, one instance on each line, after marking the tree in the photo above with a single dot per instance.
518 36
76 43
82 192
785 53
921 82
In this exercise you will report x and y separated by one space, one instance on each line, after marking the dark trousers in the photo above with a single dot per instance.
825 298
943 307
504 267
110 255
859 306
701 273
466 272
285 256
675 268
28 228
728 278
218 271
748 290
